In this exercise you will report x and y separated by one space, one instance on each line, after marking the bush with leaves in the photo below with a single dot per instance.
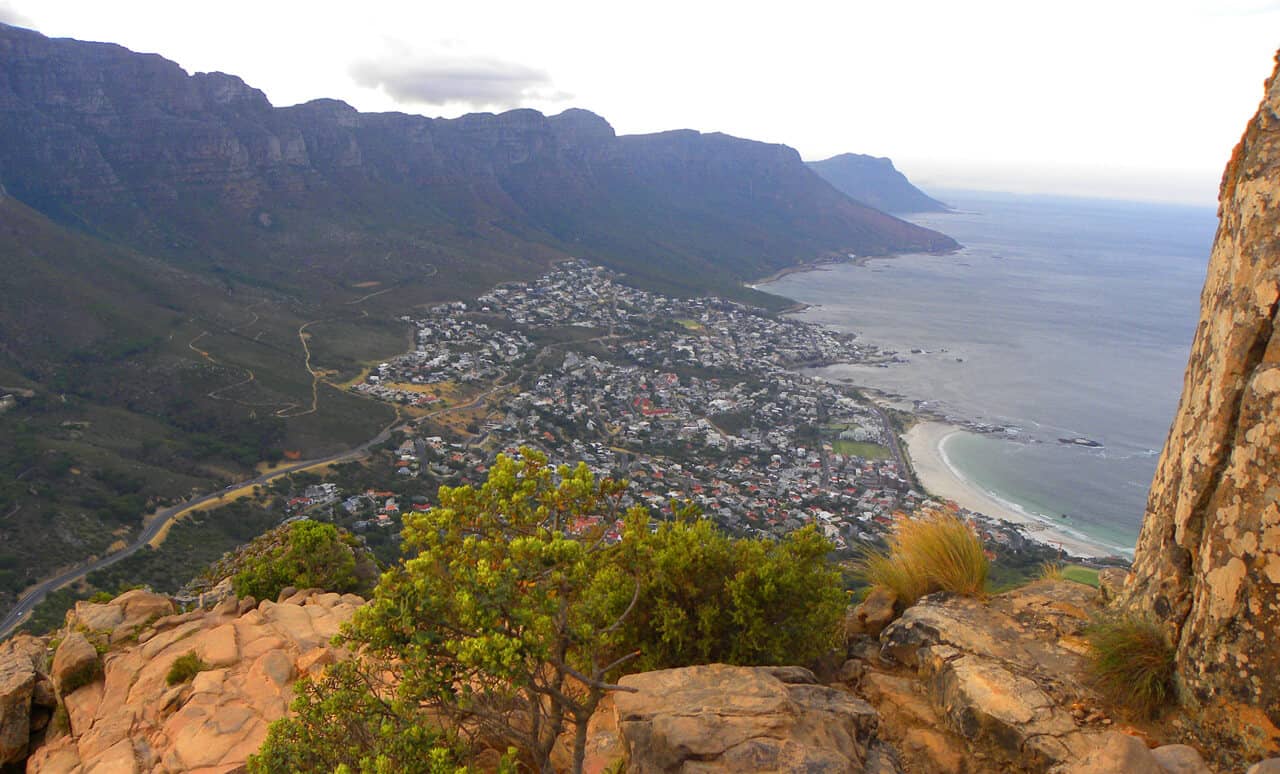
515 612
304 554
707 597
349 718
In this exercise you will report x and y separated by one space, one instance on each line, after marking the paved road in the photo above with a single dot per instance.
37 593
895 446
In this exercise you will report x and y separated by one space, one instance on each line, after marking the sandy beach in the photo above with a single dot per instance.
924 445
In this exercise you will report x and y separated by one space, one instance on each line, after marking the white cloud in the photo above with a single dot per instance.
10 15
441 78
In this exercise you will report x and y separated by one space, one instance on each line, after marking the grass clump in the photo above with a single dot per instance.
1069 572
938 552
1051 571
1132 662
184 668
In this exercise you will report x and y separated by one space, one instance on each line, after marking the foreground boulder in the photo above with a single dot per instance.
120 619
75 663
720 718
134 720
26 695
17 683
1001 674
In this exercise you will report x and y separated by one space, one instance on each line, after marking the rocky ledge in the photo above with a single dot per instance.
954 685
105 703
967 686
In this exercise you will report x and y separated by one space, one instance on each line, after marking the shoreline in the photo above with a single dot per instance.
816 265
936 474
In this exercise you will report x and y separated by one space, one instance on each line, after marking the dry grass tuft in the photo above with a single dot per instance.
1051 571
1132 662
938 552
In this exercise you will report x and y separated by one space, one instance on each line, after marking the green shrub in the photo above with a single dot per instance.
936 552
512 615
184 668
101 597
1132 662
81 677
304 554
705 597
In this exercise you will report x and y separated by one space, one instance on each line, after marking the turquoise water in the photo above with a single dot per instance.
1061 318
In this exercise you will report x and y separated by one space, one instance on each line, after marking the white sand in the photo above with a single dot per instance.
924 444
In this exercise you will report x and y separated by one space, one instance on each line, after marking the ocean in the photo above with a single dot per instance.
1060 318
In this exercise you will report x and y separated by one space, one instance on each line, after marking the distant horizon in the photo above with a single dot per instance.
942 192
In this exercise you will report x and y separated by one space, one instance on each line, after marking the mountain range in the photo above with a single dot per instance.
167 236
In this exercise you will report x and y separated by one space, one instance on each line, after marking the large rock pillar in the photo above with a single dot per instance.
1208 559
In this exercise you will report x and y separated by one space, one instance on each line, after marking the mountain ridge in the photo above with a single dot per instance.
84 144
874 181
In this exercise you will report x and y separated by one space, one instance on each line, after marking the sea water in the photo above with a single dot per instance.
1060 318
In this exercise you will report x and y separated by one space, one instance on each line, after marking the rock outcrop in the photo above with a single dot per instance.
1001 674
128 718
26 695
740 719
1208 559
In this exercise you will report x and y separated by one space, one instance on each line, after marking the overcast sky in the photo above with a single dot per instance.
1117 98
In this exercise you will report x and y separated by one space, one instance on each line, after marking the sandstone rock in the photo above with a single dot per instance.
228 605
76 663
218 647
94 617
1114 753
942 755
1269 766
873 613
33 649
1180 759
739 719
1111 583
1208 559
604 748
999 673
314 661
1023 627
140 605
82 707
133 720
43 694
285 593
984 701
851 671
17 681
881 759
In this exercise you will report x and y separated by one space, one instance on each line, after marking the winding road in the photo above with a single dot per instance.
37 593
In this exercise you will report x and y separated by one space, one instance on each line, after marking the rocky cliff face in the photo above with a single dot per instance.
1208 560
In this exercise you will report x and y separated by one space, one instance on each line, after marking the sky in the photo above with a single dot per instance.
1129 99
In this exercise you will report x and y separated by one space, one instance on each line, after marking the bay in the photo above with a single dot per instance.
1060 317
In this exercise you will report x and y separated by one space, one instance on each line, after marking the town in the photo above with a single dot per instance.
689 400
